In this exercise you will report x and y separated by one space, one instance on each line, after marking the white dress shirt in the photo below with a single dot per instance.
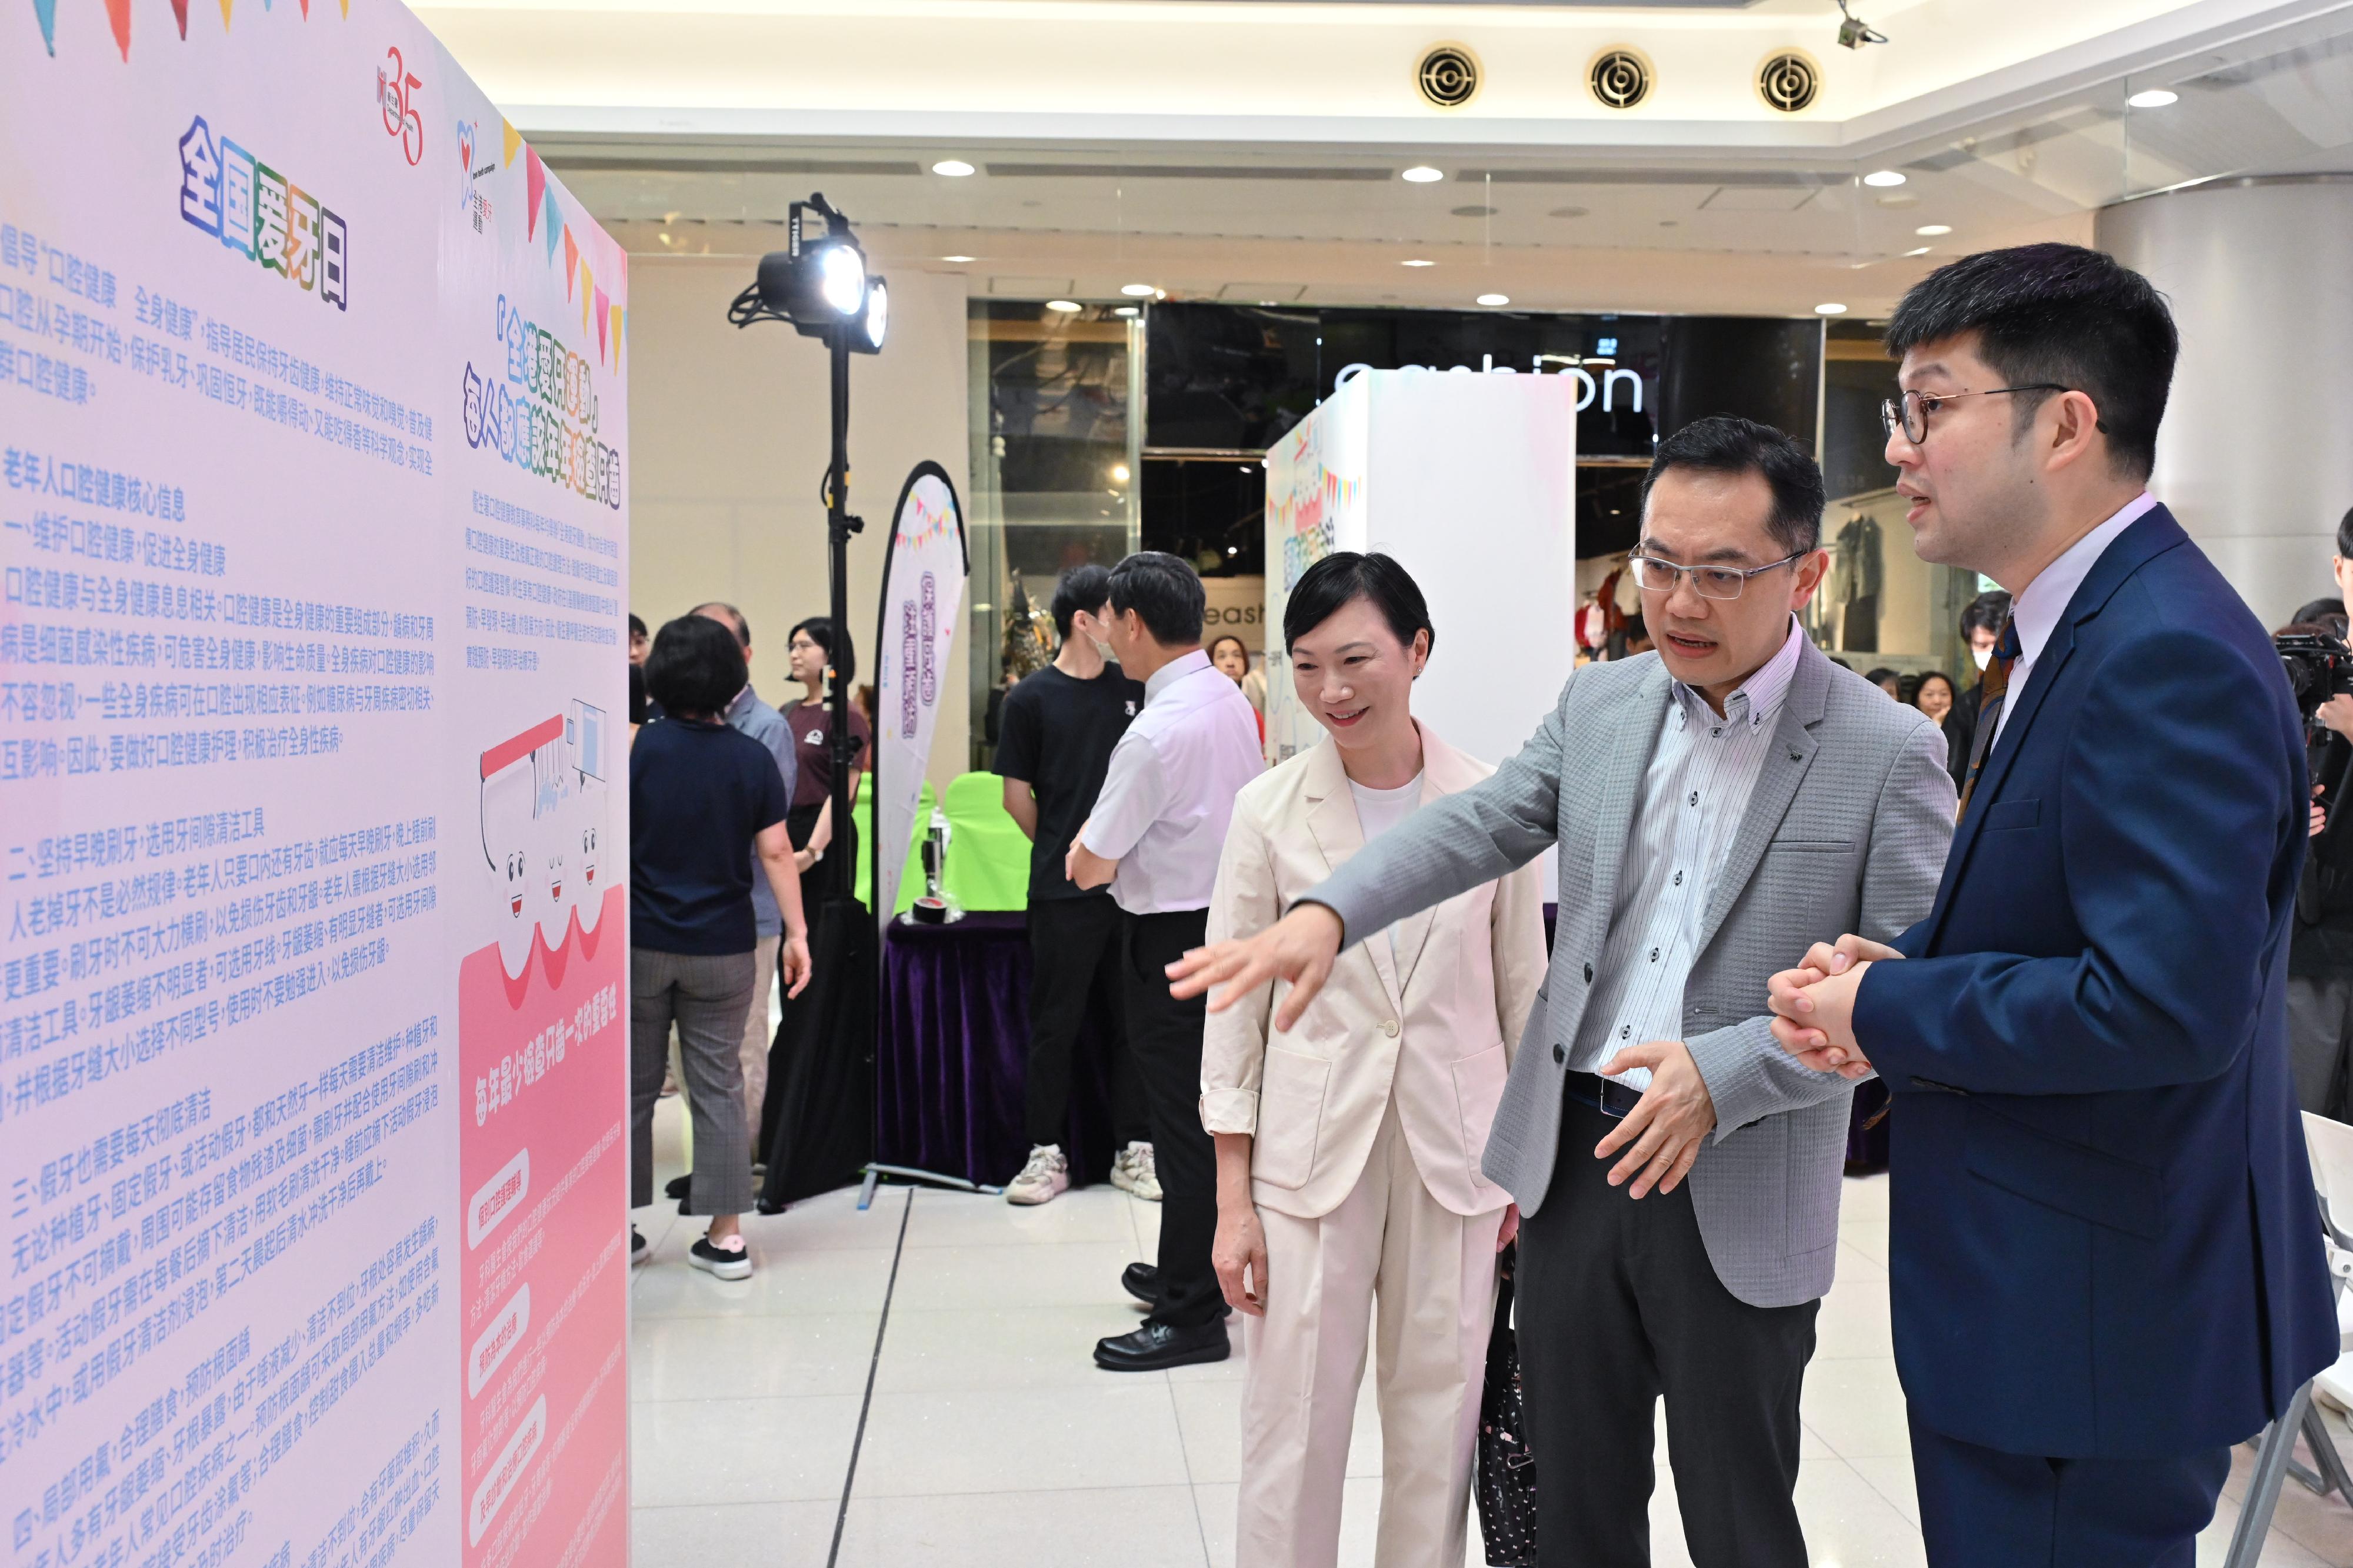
2037 610
1695 793
1169 794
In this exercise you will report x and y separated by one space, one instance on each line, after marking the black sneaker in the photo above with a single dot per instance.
638 1248
677 1187
718 1261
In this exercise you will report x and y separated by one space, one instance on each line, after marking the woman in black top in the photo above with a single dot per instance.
701 795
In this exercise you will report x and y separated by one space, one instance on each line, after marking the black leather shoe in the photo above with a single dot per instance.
1142 1280
677 1187
1155 1347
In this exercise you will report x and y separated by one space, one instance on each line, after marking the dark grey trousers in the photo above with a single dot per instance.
1618 1305
2319 1035
707 995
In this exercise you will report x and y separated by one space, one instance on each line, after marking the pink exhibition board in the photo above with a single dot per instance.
313 903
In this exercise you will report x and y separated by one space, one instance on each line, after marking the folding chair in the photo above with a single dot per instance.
2330 1146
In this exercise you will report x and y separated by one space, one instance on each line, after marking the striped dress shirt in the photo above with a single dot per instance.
1694 795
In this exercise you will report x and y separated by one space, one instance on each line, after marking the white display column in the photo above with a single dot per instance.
2254 457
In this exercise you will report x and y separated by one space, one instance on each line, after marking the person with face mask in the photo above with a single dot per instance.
1348 1151
1054 743
1981 623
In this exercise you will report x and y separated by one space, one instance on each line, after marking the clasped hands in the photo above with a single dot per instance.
1814 1004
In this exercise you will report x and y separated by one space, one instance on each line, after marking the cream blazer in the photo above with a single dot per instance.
1435 1025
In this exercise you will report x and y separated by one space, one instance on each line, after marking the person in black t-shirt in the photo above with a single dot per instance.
1054 745
703 797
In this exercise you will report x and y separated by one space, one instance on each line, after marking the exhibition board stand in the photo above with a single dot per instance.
314 1126
1470 480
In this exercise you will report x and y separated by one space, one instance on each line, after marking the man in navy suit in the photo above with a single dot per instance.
2104 1249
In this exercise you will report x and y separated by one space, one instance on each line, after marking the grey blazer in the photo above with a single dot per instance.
1846 832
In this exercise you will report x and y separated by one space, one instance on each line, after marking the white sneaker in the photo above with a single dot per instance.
1046 1177
1133 1171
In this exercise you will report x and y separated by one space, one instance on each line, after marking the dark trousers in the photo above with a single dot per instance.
1980 1508
2320 1039
1075 956
1166 1035
1618 1305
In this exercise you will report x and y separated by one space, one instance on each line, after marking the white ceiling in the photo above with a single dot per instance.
1702 199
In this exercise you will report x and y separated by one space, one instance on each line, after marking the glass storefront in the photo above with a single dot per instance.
1095 433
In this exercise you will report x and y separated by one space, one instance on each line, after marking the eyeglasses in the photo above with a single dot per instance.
1653 575
1917 405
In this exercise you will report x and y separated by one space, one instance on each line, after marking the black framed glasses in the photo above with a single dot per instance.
1653 575
1912 417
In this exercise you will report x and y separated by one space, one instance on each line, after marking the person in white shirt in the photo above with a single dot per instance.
1348 1147
1155 837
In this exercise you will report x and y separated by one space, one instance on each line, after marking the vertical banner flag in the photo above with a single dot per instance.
313 937
924 565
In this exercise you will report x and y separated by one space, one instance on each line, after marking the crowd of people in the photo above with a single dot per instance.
730 817
2048 918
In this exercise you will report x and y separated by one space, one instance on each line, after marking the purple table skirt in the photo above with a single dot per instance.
951 1068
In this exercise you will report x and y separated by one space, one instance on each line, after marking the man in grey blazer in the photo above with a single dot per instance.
1717 804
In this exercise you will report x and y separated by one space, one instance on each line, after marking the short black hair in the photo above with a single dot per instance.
2345 535
1725 444
696 668
1952 687
1345 577
1087 589
2062 315
840 654
1222 639
2322 613
1985 613
1165 593
743 626
637 627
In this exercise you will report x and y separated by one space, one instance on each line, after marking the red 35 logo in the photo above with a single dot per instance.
394 90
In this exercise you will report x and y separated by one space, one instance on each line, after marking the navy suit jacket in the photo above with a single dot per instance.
2104 1237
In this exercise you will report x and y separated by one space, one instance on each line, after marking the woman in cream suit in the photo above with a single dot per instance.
1348 1148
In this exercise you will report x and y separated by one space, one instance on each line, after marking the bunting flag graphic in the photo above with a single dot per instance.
306 10
552 221
180 10
534 186
620 324
46 12
571 260
118 12
514 137
225 5
587 289
604 312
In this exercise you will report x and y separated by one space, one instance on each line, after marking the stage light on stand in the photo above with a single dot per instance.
876 321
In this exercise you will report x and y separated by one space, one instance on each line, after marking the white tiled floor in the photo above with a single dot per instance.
990 1439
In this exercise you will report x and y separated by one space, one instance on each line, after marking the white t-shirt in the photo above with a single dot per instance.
1378 811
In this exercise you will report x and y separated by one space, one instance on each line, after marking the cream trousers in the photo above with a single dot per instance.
1433 1274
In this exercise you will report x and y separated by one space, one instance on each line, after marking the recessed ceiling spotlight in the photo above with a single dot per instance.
1474 210
1832 309
1138 290
2155 97
1422 175
1922 250
1933 230
1417 263
1568 212
1066 306
955 259
1883 178
1492 299
1130 311
954 168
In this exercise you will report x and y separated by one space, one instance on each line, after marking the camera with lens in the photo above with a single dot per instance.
2319 666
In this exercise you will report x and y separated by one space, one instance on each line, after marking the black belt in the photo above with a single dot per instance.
1608 1098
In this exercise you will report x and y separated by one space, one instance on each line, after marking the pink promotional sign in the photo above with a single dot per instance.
313 838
